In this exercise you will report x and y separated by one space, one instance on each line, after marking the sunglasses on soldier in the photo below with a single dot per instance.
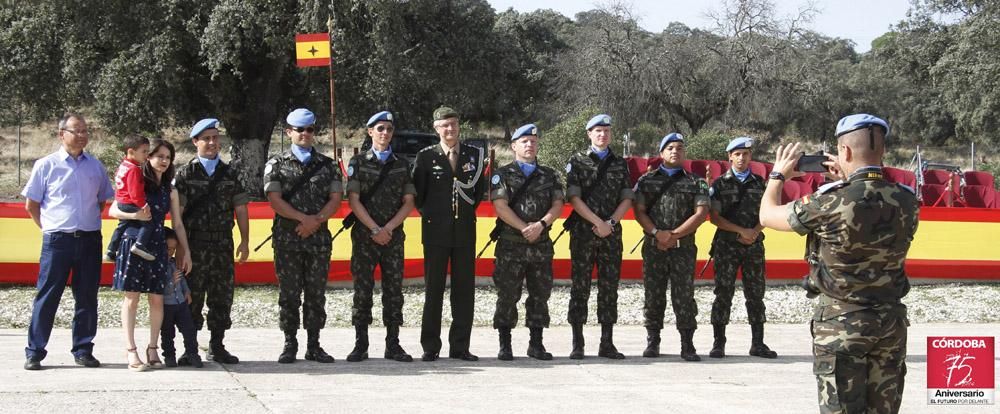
300 130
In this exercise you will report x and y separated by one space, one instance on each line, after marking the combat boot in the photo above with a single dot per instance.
719 345
392 349
688 353
607 348
577 352
757 346
505 354
535 347
291 348
652 343
218 350
314 352
360 351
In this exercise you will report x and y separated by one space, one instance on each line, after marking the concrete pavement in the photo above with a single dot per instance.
737 384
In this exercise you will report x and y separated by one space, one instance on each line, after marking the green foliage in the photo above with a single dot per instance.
992 168
561 141
707 144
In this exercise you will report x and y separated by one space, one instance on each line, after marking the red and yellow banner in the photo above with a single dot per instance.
951 243
312 49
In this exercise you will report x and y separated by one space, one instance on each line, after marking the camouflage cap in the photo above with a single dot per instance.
444 112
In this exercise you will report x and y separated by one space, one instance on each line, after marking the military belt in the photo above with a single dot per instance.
210 236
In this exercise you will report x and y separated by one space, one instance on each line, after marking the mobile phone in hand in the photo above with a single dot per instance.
811 163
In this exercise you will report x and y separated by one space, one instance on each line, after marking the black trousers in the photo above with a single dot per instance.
178 315
463 295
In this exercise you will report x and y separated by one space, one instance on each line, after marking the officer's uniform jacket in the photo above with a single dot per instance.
859 233
535 201
281 172
447 201
213 220
737 201
677 204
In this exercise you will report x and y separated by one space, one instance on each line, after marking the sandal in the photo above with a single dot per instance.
154 359
137 366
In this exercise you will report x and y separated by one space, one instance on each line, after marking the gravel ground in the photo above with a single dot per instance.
256 307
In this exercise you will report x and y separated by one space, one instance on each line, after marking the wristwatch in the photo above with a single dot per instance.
376 230
654 232
544 224
611 222
775 175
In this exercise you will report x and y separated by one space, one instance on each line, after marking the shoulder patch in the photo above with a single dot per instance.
569 167
806 199
825 188
711 191
350 170
268 167
703 184
496 179
907 188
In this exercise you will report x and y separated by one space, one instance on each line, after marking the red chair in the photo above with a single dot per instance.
901 176
978 178
699 168
688 166
934 194
980 196
936 176
725 166
811 180
653 164
636 168
791 191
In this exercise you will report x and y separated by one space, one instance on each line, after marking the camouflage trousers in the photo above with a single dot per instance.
673 267
365 254
586 251
730 257
211 282
516 265
302 277
860 360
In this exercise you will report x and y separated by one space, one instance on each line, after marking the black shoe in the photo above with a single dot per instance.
763 351
652 343
719 344
319 355
288 352
536 349
505 353
577 352
607 347
463 355
87 360
429 357
392 349
688 352
32 365
193 360
140 251
169 360
111 256
360 351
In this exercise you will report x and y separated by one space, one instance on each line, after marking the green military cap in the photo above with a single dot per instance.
444 112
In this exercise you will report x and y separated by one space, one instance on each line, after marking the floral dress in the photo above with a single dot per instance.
133 273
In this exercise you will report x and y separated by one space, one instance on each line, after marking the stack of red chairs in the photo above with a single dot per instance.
901 176
935 189
979 191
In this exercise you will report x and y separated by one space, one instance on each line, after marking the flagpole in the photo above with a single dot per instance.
333 107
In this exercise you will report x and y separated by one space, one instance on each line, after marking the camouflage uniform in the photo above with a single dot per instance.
674 266
517 260
302 265
210 236
738 202
363 171
588 250
859 232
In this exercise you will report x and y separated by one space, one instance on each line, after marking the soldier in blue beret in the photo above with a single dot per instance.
858 232
670 205
528 198
380 192
210 195
304 188
738 244
597 185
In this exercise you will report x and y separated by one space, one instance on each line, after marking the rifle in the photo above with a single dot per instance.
349 221
574 217
656 200
287 195
495 234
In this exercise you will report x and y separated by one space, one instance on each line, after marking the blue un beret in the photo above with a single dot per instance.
671 137
739 143
301 118
599 120
201 126
381 116
855 122
529 129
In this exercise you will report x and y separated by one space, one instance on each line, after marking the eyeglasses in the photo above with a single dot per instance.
300 130
74 132
384 128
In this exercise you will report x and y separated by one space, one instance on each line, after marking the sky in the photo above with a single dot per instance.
859 20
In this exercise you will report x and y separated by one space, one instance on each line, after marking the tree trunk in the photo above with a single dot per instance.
249 156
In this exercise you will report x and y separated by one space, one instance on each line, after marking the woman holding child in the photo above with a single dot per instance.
135 275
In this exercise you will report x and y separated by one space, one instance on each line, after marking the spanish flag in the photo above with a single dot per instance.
312 49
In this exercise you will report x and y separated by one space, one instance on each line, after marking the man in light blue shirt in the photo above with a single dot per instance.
65 196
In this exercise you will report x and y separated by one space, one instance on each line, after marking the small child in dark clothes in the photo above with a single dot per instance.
176 297
130 193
